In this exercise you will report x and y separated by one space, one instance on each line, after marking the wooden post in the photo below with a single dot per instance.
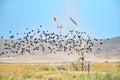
88 67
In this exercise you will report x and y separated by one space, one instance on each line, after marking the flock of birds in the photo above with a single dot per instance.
45 41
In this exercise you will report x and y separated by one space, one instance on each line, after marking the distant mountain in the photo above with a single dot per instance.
107 48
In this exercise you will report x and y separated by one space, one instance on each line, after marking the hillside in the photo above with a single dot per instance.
107 47
102 50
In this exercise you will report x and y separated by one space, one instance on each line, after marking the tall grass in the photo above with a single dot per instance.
99 71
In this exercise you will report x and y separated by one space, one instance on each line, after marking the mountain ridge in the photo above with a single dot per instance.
106 49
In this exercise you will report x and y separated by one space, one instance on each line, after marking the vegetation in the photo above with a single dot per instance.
20 71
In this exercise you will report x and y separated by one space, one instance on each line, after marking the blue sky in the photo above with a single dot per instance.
99 18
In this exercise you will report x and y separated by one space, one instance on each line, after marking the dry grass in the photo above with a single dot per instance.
15 70
99 71
105 67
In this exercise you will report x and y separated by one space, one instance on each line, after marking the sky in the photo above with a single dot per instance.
98 18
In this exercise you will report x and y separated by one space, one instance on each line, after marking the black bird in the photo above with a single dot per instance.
10 31
17 33
11 36
73 21
1 37
98 48
40 25
26 28
54 19
101 43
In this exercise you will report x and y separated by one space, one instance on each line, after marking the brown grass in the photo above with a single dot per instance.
105 67
49 71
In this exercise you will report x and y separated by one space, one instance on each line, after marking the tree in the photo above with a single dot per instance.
82 46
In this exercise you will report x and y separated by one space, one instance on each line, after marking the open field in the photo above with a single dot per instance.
20 71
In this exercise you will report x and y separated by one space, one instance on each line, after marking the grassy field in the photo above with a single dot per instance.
19 71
